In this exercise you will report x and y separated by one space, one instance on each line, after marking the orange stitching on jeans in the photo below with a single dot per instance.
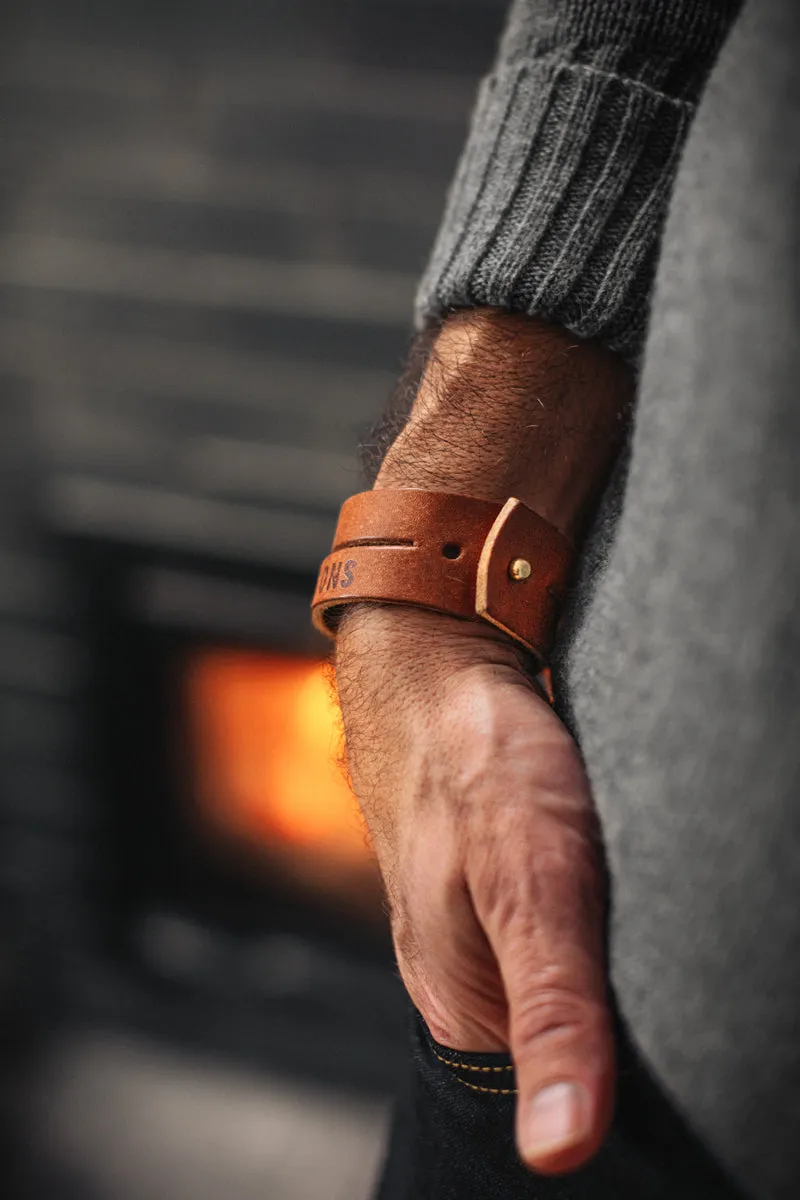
492 1091
467 1067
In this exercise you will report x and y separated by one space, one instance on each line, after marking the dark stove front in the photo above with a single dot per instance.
234 900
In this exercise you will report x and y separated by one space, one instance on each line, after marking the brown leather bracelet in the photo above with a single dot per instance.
475 559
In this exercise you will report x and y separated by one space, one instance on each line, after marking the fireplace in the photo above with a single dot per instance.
237 904
212 232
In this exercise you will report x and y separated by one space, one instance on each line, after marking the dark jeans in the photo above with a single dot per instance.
679 674
453 1138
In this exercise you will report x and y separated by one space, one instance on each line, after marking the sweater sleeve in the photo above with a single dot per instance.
559 199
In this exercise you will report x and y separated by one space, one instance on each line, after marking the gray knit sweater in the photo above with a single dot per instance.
559 199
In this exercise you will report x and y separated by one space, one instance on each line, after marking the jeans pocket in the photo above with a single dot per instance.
484 1074
453 1137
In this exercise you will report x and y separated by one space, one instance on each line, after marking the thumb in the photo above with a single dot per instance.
547 936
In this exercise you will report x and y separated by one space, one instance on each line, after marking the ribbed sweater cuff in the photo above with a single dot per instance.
558 203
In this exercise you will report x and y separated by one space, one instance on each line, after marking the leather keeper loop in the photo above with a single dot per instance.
474 559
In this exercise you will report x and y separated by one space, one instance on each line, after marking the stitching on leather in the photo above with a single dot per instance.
468 1066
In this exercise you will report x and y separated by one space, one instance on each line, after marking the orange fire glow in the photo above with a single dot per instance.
266 732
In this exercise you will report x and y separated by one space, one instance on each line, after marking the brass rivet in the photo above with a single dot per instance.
519 569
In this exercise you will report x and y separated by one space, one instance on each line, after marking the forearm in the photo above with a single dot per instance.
508 405
475 796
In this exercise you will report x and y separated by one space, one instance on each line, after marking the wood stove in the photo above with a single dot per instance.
211 232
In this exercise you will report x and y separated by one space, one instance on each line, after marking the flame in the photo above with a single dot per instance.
266 735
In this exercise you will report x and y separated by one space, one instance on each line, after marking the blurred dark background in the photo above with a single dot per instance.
212 218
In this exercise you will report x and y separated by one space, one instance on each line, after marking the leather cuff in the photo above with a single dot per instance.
474 559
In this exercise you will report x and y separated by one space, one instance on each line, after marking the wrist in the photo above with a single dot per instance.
508 405
437 643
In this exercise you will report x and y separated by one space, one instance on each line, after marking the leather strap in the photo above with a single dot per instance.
469 558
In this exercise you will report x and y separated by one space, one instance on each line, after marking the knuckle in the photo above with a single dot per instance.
429 1003
553 1012
440 1024
573 860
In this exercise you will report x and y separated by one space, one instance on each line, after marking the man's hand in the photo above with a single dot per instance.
481 818
475 795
